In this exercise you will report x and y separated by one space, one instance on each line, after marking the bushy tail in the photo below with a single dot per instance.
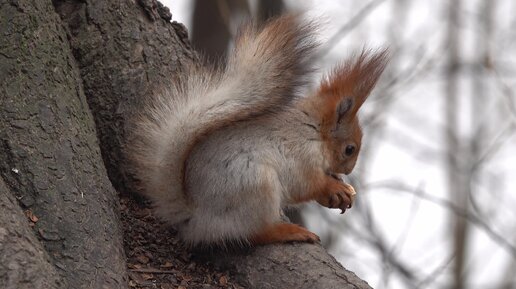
265 68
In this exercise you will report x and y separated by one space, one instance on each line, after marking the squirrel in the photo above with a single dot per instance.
222 151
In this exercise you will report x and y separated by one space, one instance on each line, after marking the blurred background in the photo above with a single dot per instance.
436 206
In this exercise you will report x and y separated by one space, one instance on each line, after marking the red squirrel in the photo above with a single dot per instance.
222 151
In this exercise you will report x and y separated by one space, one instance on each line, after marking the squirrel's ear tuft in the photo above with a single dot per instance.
343 91
353 80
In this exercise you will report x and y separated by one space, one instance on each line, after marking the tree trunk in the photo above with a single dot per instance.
105 56
49 155
23 262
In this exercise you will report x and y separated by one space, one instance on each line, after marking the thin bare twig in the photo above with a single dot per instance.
400 187
350 25
438 271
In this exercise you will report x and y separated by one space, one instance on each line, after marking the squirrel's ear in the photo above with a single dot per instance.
343 91
351 82
344 108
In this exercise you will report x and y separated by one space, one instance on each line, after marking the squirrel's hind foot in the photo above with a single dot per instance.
283 232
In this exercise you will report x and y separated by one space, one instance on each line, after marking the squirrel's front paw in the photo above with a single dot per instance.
339 195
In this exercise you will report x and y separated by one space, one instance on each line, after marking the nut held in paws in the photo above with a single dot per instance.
352 195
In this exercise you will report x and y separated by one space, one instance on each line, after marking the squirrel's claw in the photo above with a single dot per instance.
337 195
349 190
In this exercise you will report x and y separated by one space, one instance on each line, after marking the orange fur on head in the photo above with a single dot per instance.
336 104
353 80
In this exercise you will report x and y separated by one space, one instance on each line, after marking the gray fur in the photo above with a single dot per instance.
241 177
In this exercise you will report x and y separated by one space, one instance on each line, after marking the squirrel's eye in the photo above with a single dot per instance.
350 150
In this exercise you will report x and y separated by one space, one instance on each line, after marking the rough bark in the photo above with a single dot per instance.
286 266
49 156
125 50
24 263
